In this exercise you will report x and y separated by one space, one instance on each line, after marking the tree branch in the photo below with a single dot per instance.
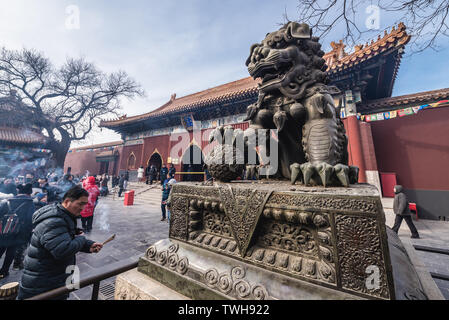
426 20
70 100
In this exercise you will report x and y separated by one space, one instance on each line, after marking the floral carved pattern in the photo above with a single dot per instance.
358 245
289 237
196 191
217 224
178 218
323 202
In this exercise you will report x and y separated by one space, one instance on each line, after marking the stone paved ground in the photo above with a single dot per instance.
139 226
432 234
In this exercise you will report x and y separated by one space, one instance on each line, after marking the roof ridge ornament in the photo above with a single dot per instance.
338 49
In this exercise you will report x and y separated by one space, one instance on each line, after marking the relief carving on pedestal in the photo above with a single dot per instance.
286 236
324 202
235 285
359 247
168 258
301 235
243 208
178 218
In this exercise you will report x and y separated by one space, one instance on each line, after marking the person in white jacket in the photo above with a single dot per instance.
140 173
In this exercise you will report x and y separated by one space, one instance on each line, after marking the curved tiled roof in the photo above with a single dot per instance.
20 136
337 60
109 153
420 97
98 146
236 89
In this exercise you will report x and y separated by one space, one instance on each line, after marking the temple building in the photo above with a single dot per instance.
22 144
95 159
393 140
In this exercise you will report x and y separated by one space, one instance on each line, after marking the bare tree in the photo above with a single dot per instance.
66 102
426 20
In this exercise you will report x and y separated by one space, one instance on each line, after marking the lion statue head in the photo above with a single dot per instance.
289 60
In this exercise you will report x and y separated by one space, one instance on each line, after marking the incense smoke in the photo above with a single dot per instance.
102 216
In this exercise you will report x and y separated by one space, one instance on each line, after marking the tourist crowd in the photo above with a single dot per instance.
25 201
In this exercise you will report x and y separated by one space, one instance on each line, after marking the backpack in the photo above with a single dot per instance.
10 222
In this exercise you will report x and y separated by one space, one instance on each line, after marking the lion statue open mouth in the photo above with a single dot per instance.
294 98
288 60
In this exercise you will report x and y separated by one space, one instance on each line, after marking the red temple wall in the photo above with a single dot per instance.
87 160
82 161
115 168
416 148
127 151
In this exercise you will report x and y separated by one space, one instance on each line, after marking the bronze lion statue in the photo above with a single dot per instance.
294 98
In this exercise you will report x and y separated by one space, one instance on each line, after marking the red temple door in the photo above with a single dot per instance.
388 180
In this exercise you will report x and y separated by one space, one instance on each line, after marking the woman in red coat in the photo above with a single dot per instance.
87 215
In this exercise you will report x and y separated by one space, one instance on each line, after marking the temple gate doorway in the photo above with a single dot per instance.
192 164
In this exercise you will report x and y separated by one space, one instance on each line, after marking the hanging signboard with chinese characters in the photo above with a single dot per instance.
133 142
188 122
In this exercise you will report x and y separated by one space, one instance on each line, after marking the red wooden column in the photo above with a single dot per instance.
355 146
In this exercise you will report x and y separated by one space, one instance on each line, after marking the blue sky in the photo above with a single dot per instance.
176 46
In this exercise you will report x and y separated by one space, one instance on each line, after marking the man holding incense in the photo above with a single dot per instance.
54 244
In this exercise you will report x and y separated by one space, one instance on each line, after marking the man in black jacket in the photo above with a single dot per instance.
121 185
47 189
402 211
147 174
153 174
171 171
54 244
163 174
21 205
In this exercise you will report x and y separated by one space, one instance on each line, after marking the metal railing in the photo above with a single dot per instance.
439 276
431 249
92 280
190 173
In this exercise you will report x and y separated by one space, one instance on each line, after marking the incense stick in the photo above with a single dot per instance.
110 239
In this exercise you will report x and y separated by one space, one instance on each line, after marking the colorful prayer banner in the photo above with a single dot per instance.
408 111
401 112
423 106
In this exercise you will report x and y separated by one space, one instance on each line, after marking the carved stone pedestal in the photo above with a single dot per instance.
271 240
134 285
